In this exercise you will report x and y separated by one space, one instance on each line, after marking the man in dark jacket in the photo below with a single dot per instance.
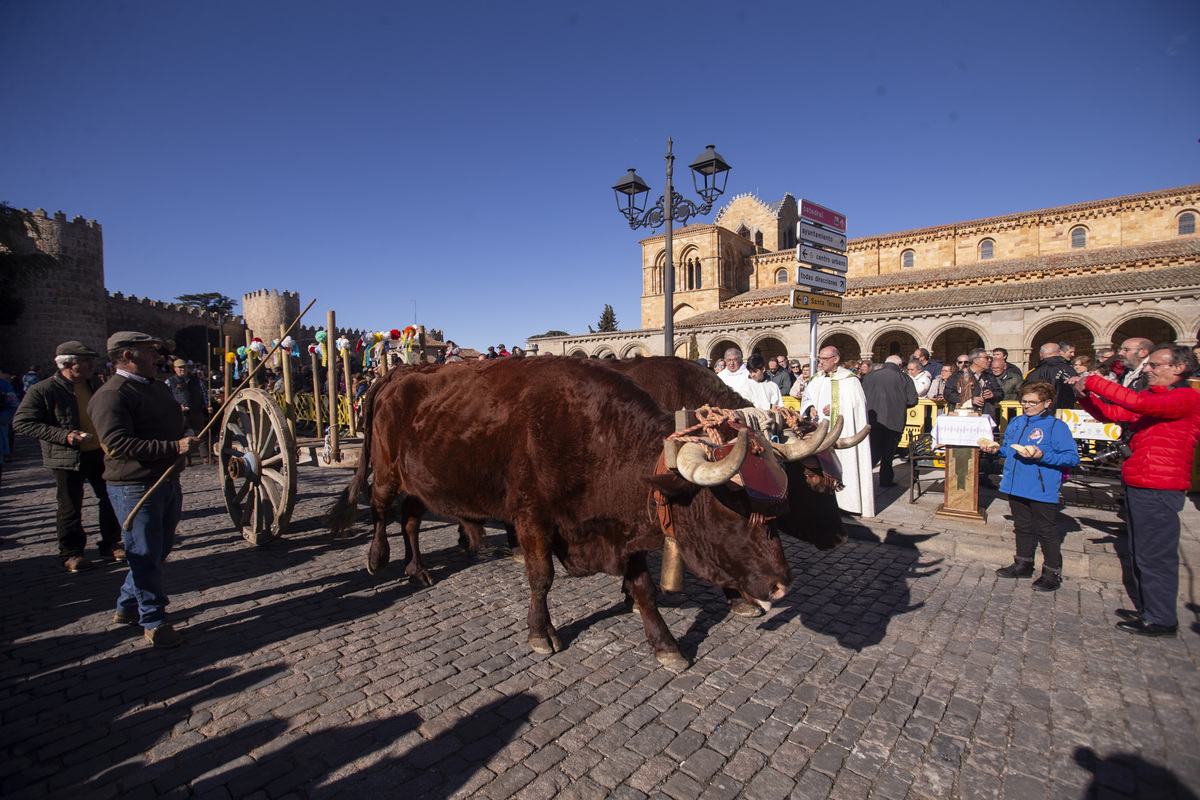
977 383
890 393
142 430
55 411
1056 371
777 373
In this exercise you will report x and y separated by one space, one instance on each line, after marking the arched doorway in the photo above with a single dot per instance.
845 343
953 342
717 351
893 343
1064 331
579 354
1152 328
770 347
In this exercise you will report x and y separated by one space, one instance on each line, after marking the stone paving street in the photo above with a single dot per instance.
898 666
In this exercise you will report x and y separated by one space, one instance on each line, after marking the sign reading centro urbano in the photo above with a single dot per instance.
811 233
816 302
822 216
815 279
822 258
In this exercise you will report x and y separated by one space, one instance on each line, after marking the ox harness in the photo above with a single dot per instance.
760 476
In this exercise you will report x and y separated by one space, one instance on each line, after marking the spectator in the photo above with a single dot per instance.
975 383
920 378
889 394
8 406
779 374
502 352
1164 423
29 379
55 411
517 352
1135 352
1008 376
1009 369
142 431
1055 370
1037 449
799 375
718 366
491 353
760 391
937 387
1067 349
930 365
1082 364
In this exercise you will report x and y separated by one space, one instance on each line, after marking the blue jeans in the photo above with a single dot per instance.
147 546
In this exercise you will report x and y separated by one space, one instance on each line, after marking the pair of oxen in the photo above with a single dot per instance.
569 453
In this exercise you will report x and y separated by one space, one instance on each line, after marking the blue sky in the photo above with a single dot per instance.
454 161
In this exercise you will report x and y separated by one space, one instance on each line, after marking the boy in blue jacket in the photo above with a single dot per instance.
1038 448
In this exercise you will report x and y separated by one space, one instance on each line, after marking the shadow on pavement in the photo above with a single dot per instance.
1129 775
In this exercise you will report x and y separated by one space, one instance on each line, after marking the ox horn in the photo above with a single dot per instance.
794 448
851 441
831 438
696 468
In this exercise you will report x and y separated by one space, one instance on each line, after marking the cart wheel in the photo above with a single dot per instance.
258 460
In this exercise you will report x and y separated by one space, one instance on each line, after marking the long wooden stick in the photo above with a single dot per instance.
182 460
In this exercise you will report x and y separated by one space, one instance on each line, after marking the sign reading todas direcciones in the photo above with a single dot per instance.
816 302
815 279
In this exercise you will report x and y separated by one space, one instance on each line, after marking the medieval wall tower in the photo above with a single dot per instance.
69 302
264 311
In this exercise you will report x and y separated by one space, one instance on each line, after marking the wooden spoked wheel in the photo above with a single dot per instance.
258 464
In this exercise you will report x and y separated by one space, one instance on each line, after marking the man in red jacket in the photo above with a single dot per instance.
1165 424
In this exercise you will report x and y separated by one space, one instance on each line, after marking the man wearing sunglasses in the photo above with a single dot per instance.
1164 421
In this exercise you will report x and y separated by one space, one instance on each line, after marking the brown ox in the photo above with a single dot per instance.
566 450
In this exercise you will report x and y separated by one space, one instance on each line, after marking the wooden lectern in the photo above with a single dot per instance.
960 434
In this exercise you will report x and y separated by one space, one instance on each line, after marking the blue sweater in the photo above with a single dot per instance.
1037 480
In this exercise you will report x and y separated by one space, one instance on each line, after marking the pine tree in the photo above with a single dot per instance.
608 320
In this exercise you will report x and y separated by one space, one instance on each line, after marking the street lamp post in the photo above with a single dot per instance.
707 169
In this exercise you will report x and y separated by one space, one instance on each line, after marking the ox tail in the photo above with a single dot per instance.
340 517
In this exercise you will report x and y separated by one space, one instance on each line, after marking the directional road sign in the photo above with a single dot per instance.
815 302
817 257
811 233
822 216
820 280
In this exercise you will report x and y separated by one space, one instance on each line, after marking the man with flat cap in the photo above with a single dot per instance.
141 428
55 411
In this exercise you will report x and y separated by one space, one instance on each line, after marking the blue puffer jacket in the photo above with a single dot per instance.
1037 480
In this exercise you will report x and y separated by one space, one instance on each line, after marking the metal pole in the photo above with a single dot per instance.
812 345
669 265
331 365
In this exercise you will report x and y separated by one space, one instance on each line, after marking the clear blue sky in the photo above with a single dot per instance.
460 155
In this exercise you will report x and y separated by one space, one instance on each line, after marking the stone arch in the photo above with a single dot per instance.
578 352
687 269
1127 324
769 344
1155 327
954 338
1062 328
716 351
846 343
634 349
603 350
899 340
683 311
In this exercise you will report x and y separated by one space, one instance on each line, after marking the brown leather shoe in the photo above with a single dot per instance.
115 554
123 617
163 637
77 564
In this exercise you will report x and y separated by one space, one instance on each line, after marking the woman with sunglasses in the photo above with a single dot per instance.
1038 449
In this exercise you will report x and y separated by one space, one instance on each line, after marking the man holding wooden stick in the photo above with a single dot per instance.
141 428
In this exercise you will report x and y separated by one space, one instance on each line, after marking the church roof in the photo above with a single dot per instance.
772 208
1076 274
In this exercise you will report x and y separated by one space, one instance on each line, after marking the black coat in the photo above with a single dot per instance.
1055 370
985 380
890 393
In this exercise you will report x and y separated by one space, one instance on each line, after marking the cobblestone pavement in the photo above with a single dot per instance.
888 672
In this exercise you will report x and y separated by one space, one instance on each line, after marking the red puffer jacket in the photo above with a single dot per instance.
1165 425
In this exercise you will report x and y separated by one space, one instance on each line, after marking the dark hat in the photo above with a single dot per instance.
74 348
130 338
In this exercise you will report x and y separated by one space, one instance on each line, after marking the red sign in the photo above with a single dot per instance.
823 216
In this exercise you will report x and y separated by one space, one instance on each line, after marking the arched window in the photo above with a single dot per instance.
781 276
907 259
987 249
758 239
1187 224
743 232
1079 237
698 283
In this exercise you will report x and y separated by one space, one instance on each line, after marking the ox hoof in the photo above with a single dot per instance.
673 661
744 609
545 646
518 556
375 569
422 578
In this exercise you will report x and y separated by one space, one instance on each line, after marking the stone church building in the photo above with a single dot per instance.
1093 273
